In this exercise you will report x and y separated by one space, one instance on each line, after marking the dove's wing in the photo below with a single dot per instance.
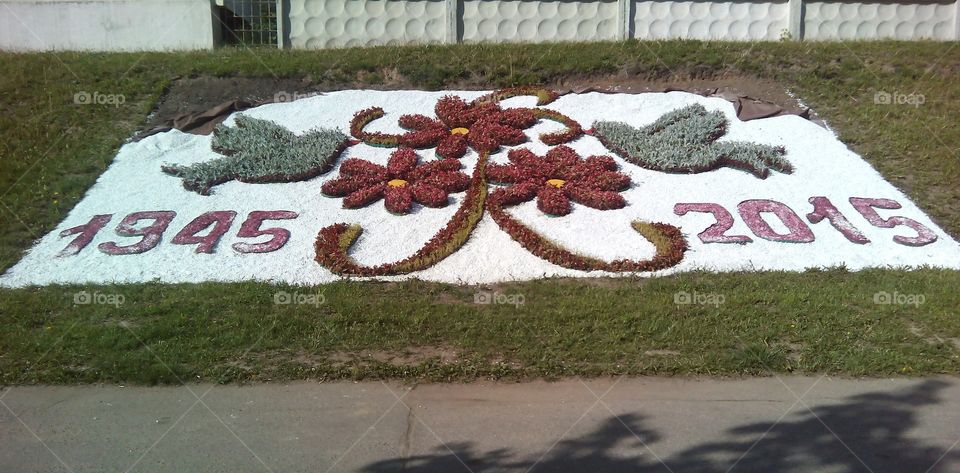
685 140
262 151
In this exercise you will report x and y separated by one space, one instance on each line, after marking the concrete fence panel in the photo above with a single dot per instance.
537 21
338 23
886 20
106 25
720 20
111 25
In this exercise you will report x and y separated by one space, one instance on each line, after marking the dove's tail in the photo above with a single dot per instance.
173 169
199 178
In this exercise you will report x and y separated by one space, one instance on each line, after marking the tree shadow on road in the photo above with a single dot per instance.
865 433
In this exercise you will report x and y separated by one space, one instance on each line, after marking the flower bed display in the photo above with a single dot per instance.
482 187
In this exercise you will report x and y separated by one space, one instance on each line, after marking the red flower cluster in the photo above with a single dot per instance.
334 242
559 177
400 183
483 126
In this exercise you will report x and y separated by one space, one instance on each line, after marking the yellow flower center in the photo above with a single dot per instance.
397 183
459 131
558 183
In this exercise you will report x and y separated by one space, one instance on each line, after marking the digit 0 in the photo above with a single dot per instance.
750 211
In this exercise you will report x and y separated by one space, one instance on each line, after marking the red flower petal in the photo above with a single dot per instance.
606 181
601 200
562 156
523 156
428 195
552 201
452 147
517 118
450 181
507 173
516 194
346 185
434 166
455 113
401 161
602 162
398 199
364 197
506 135
426 138
359 167
418 122
484 144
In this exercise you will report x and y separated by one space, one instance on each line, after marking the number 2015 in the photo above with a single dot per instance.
798 232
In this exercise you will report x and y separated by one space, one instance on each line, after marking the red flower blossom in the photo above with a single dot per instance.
483 126
401 182
558 178
334 241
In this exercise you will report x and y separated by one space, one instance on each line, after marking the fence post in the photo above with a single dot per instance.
281 16
796 20
623 14
453 36
956 20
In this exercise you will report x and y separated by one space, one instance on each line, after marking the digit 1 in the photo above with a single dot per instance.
824 209
221 221
86 233
151 234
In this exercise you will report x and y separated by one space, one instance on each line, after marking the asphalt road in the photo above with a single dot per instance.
802 424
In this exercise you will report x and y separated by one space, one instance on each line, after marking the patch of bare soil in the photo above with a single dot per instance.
931 339
407 357
763 89
662 353
199 94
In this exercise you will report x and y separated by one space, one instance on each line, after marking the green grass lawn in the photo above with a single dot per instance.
52 150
